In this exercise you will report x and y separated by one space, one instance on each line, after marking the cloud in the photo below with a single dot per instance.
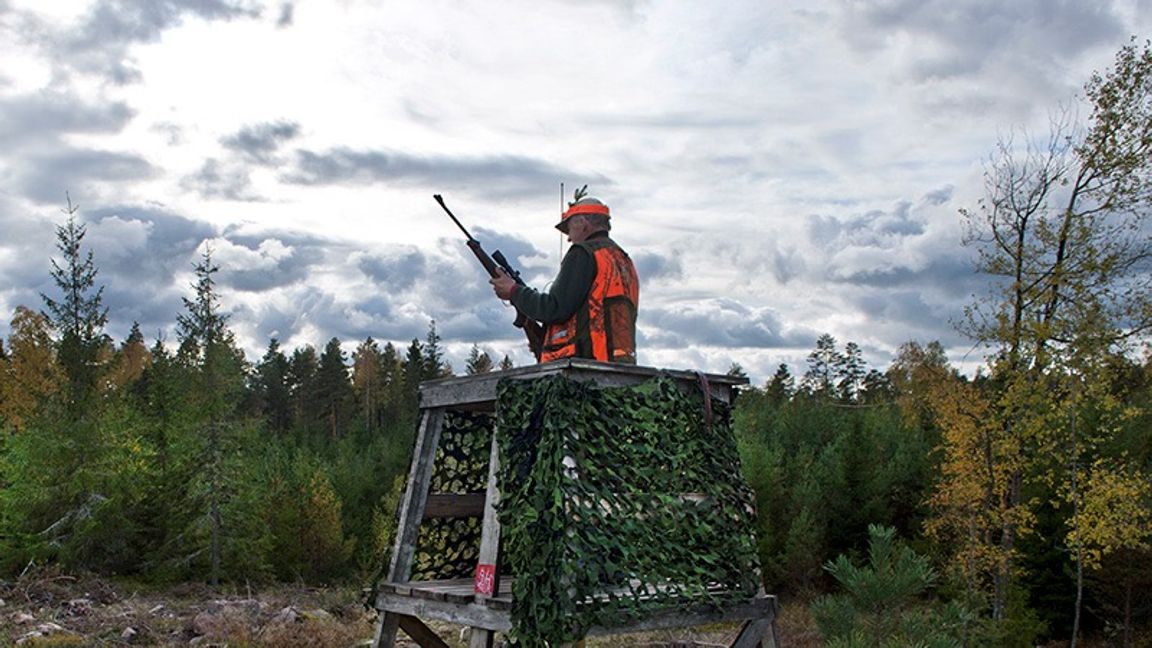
718 322
260 142
502 176
969 35
287 15
225 179
651 266
45 115
162 244
101 42
267 265
397 268
45 176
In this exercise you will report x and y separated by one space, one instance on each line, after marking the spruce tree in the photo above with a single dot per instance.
220 494
272 389
479 362
79 315
781 387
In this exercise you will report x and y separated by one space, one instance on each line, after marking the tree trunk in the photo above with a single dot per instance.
214 500
1128 614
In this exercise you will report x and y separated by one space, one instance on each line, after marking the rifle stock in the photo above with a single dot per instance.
533 330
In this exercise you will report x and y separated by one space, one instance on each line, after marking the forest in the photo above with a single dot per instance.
903 505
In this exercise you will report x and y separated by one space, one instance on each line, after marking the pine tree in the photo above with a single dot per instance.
333 390
369 382
506 363
820 379
879 605
850 373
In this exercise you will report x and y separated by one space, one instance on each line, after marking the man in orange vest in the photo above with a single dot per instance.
590 311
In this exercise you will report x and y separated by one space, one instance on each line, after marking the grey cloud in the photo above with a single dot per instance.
100 43
48 114
871 229
500 176
718 322
396 269
900 315
286 272
652 266
939 196
170 246
222 179
970 34
513 247
46 176
786 266
287 15
260 142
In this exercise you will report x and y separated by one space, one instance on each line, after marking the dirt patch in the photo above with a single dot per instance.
47 608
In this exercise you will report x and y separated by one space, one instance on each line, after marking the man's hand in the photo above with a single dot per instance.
503 285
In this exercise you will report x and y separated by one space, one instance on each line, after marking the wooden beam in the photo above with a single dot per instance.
452 505
421 633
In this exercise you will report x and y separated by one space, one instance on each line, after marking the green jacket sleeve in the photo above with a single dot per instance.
568 291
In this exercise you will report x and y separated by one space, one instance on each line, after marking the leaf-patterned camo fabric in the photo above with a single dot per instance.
617 502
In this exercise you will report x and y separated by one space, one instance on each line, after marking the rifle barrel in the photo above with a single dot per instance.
440 200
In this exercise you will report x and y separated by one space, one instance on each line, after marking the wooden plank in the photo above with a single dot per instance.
411 514
479 391
416 494
473 615
490 530
386 630
761 608
752 633
454 505
487 584
488 618
421 633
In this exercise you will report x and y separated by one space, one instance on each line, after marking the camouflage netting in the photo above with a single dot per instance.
617 502
449 547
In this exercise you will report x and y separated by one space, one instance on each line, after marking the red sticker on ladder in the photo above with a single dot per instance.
485 579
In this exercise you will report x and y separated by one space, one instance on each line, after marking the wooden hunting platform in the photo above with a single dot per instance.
484 603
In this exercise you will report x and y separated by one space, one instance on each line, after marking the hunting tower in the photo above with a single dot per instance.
575 498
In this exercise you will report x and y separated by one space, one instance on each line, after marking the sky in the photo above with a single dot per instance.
777 170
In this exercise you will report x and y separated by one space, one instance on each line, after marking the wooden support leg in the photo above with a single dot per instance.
420 633
752 634
488 569
411 513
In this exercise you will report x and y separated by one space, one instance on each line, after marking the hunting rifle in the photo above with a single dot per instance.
532 329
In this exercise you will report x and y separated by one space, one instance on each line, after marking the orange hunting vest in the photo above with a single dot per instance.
604 328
